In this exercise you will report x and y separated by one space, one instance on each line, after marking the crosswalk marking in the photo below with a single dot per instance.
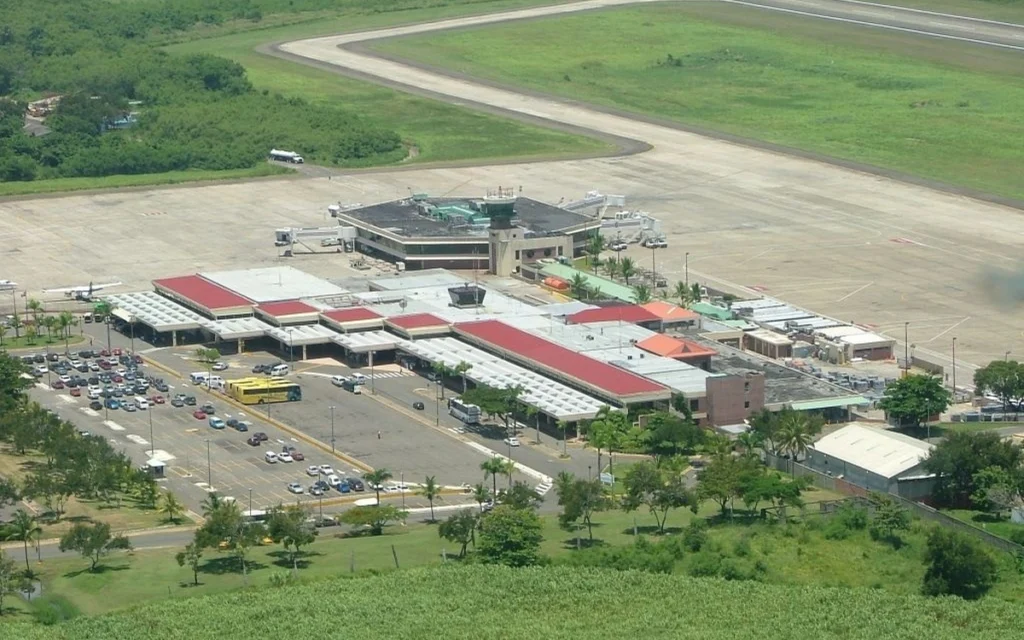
89 412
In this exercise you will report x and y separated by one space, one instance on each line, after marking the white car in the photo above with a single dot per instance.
618 246
326 470
270 457
93 394
295 487
512 442
65 378
313 470
76 363
338 381
284 456
221 366
333 480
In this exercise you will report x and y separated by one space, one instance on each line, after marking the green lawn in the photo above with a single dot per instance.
1001 10
794 554
1001 526
12 343
974 427
867 96
439 132
58 185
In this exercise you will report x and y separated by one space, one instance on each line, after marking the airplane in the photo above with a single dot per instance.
7 285
83 293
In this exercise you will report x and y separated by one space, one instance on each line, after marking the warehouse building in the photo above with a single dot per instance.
875 459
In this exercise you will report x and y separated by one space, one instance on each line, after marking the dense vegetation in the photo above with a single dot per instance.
553 602
193 112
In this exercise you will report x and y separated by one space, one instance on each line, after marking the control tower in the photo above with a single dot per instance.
499 206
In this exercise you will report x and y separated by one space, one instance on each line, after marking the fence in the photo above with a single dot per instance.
919 509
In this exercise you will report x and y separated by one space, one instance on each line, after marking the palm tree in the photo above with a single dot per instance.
34 309
50 323
3 332
682 291
172 507
17 324
748 441
595 245
377 478
508 467
795 433
695 293
65 321
627 269
481 494
431 491
212 504
578 286
24 528
441 370
462 368
563 483
492 468
208 357
611 266
30 334
641 294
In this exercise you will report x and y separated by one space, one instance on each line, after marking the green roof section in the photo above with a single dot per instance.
712 311
829 403
603 285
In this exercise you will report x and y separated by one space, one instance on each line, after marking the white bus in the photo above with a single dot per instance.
285 156
468 413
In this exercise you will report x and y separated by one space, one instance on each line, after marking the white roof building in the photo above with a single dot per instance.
878 451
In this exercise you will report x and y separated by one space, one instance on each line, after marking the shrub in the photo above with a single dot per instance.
51 609
695 536
705 564
742 547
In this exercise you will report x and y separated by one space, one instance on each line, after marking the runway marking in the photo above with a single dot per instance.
855 292
878 25
942 333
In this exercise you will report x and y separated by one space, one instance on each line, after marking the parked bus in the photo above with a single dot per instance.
264 390
468 413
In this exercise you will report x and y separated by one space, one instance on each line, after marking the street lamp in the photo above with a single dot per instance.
954 370
1006 357
654 267
332 428
209 469
250 503
373 385
686 268
152 446
291 346
906 348
131 321
403 489
437 403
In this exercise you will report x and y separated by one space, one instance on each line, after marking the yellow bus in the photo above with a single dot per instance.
264 390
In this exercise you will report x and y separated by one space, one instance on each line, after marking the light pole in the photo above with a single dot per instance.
152 446
332 428
1006 357
954 370
373 382
654 267
291 345
437 404
250 503
906 348
132 322
686 269
209 468
403 490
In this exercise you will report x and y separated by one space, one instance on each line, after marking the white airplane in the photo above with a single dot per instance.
82 292
7 285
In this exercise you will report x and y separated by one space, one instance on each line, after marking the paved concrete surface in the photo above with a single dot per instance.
855 246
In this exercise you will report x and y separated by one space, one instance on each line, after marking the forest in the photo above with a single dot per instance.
187 112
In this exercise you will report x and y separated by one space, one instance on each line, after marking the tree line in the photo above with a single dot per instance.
192 111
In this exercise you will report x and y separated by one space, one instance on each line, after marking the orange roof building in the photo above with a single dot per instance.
671 314
686 351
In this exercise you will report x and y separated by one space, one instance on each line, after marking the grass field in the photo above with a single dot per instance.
868 96
973 427
42 342
796 554
439 132
59 185
1001 527
1002 10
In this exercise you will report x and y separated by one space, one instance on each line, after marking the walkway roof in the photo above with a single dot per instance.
608 380
154 310
203 294
303 334
366 341
237 328
550 397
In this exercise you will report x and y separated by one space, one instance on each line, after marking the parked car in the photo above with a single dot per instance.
252 441
295 487
243 426
261 368
259 435
198 414
512 442
344 487
418 405
217 423
76 392
270 457
326 470
333 480
284 456
190 401
314 491
219 366
96 405
157 400
177 402
57 384
113 403
208 409
355 484
161 387
313 470
128 406
298 456
618 246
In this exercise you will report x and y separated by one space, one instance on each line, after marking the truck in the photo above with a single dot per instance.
285 156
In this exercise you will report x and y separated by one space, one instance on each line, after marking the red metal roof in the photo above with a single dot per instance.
599 374
203 292
417 321
352 314
669 347
630 313
286 308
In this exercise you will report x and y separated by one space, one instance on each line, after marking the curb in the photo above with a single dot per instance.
277 423
178 528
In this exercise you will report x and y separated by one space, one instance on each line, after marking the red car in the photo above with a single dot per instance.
157 400
104 365
117 378
76 392
297 456
138 359
104 353
199 414
57 384
117 351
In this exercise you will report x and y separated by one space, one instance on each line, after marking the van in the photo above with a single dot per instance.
216 382
198 377
141 403
353 386
359 378
280 370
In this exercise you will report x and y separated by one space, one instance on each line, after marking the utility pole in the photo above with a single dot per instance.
906 349
686 269
954 370
152 446
209 469
332 428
